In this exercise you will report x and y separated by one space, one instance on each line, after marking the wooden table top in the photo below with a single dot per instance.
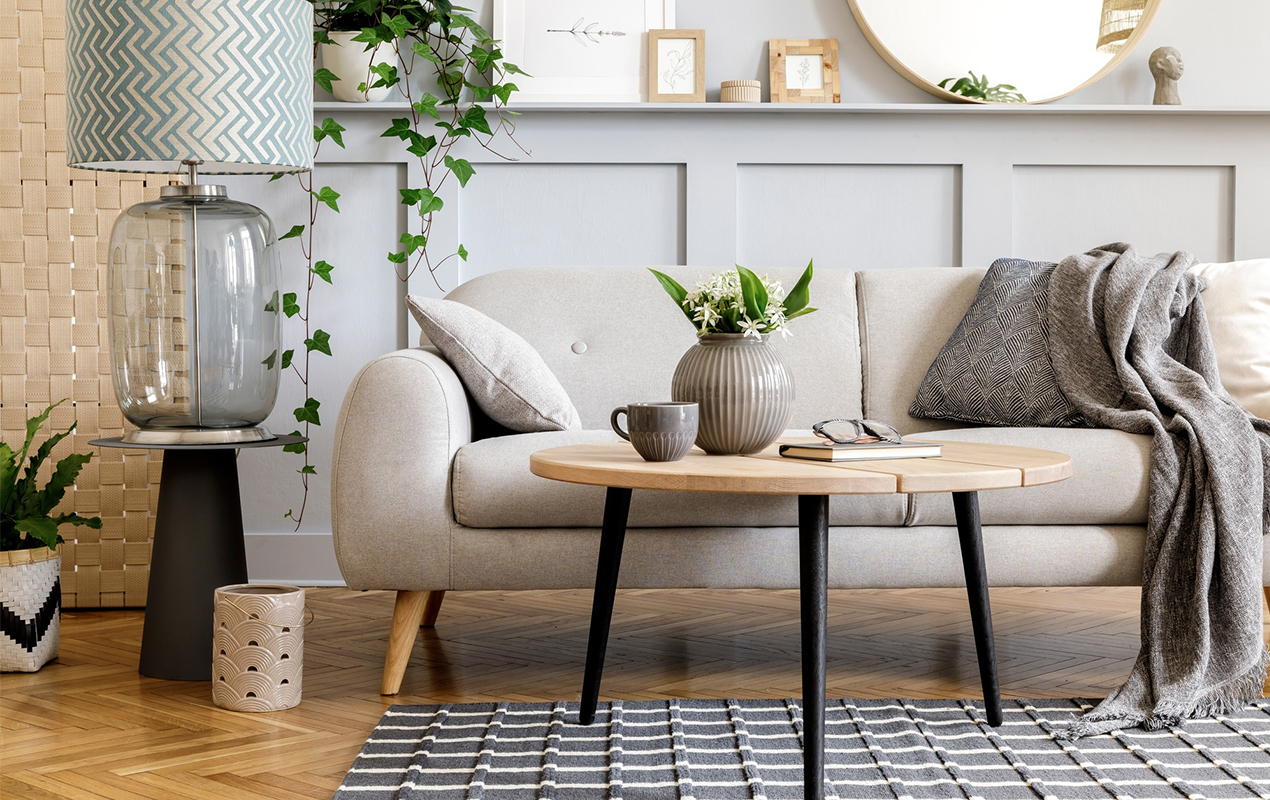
964 467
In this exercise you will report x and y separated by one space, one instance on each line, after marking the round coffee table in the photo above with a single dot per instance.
964 469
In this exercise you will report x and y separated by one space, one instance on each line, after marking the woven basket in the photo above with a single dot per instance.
258 650
30 608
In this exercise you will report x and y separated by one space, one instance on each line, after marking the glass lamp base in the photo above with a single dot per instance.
258 433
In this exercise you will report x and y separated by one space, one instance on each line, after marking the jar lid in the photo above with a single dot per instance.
731 84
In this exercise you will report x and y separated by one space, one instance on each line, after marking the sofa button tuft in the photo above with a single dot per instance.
579 347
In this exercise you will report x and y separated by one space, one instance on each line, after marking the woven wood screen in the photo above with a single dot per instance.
54 235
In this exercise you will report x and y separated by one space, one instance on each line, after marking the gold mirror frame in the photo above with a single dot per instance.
1139 32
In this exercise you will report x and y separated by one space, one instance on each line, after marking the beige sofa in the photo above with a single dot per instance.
427 497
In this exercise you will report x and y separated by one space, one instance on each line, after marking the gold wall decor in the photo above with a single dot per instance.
54 236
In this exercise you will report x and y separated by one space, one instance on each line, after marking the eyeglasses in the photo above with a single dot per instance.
849 431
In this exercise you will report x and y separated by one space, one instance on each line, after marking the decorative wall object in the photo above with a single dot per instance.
804 70
1166 67
741 92
677 66
580 50
54 227
258 649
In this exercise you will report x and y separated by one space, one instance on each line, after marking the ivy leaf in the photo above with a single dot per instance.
289 306
461 168
307 469
482 59
413 241
331 128
462 252
399 128
411 196
286 358
429 202
464 21
272 305
422 50
474 119
387 75
504 91
297 447
397 258
428 105
268 362
512 69
370 36
275 176
398 24
320 342
308 412
324 77
323 271
295 232
322 37
452 130
327 195
421 145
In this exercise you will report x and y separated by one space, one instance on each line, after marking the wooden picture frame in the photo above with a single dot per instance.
804 70
677 66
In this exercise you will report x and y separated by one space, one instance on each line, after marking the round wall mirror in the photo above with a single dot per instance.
1003 51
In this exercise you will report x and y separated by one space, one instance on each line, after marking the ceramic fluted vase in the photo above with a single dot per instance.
743 389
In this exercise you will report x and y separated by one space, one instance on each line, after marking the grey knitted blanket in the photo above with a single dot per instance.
1131 348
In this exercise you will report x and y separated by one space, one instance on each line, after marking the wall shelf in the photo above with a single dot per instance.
940 109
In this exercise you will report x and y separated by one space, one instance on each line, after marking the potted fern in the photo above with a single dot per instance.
30 567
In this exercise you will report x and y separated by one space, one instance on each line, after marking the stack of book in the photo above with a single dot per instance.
860 451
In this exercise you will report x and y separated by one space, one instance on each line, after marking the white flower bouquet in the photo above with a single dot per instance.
740 302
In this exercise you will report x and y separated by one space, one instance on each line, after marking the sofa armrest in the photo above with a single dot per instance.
404 417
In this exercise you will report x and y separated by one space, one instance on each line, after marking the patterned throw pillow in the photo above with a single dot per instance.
996 370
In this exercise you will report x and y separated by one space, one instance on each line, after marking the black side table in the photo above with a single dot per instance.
198 546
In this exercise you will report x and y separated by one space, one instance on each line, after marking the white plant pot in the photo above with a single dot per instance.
30 608
348 60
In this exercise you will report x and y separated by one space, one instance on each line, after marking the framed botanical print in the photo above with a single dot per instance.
580 50
677 66
804 70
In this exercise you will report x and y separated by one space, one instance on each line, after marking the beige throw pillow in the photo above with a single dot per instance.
504 375
1237 303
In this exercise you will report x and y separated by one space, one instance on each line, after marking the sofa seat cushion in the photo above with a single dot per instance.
1108 485
493 488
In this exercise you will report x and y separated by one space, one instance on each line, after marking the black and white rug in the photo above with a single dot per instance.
707 749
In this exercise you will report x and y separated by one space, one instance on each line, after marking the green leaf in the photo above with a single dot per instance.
397 23
371 36
464 21
482 59
323 271
422 50
78 521
676 292
297 447
295 231
322 37
321 342
275 176
387 76
289 306
429 202
421 145
411 196
324 77
461 168
753 293
413 241
474 118
286 358
308 412
272 305
397 258
400 128
307 469
329 128
512 69
801 312
428 105
42 528
462 252
63 478
328 195
268 362
800 295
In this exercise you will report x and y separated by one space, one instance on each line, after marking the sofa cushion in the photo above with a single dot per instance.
1237 304
612 336
995 369
493 488
1108 485
504 375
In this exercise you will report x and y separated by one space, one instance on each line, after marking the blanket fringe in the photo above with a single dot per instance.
1230 696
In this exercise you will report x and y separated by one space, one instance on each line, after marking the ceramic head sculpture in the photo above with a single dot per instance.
1166 68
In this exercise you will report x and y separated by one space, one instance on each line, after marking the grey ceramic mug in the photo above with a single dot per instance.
659 431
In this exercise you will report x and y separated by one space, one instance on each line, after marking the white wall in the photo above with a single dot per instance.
949 187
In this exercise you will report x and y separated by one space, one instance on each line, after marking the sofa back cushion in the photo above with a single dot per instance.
613 336
906 316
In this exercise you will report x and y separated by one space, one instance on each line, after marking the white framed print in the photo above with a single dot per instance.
580 50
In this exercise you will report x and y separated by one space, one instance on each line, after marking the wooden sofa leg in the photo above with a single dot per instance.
432 608
406 616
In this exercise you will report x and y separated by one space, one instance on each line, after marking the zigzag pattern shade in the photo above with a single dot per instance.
153 82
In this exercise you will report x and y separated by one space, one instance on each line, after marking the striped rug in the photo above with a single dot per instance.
708 749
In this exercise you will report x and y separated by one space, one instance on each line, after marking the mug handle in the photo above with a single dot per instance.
617 428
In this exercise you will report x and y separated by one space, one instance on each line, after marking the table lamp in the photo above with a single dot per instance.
221 87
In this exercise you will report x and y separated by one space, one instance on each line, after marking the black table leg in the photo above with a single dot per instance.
198 546
813 576
966 505
616 505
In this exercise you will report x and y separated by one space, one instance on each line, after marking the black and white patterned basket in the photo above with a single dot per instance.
30 608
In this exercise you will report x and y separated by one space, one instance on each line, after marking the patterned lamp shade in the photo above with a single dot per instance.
1119 18
152 83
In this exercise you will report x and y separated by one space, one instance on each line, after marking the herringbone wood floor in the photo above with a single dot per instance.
88 726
